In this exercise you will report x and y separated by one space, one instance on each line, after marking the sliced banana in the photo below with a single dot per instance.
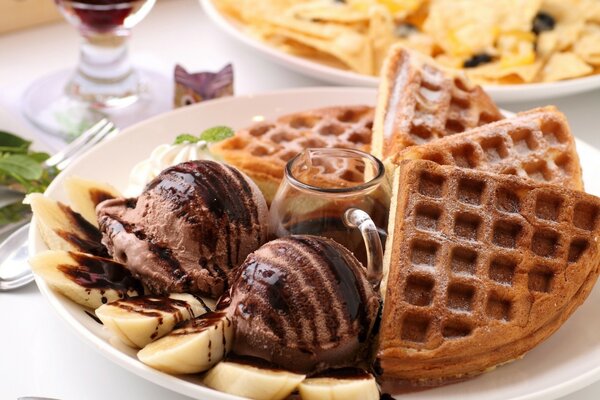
62 228
194 347
347 388
138 321
86 194
252 381
87 280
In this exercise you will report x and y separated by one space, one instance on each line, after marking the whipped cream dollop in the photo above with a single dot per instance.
164 156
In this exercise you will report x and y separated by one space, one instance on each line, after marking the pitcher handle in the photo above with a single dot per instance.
357 218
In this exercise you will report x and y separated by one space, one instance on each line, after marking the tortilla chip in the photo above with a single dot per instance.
496 73
565 66
466 27
422 43
252 11
568 33
588 45
449 61
592 11
356 34
547 44
351 48
565 11
381 35
326 11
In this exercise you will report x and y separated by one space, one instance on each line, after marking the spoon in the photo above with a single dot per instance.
14 253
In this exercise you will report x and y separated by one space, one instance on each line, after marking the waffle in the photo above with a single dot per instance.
262 150
536 144
479 268
420 101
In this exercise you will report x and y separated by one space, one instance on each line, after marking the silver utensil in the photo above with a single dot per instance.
13 251
9 196
35 398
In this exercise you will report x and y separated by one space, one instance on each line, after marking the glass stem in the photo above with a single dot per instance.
104 59
104 76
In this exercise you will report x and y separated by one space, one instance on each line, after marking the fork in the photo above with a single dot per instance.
13 251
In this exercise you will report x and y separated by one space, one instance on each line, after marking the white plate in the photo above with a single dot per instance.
566 362
305 66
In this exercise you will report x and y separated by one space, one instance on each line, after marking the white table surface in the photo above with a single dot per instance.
39 355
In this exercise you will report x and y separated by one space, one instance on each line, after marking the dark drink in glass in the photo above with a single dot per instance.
103 16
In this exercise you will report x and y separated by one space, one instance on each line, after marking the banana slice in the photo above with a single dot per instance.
359 387
87 280
140 320
193 347
86 194
64 229
251 381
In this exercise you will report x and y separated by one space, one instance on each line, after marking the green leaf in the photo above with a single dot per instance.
186 138
13 213
39 156
21 166
216 133
13 150
10 141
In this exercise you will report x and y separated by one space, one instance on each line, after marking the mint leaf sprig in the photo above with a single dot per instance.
210 135
21 169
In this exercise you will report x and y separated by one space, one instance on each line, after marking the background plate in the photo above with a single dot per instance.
567 361
305 66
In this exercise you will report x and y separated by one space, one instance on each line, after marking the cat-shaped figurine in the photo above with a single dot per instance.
193 88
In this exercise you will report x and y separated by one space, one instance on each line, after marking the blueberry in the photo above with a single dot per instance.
405 29
543 22
477 60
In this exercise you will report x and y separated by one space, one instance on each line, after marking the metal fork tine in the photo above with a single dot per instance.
108 129
75 144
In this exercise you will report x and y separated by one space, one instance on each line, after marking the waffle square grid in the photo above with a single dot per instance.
338 127
536 144
482 250
420 102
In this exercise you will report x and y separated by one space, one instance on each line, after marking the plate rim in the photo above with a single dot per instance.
183 386
296 63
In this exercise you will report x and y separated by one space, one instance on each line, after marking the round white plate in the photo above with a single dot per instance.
305 66
566 362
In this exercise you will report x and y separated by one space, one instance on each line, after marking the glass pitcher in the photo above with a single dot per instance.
336 193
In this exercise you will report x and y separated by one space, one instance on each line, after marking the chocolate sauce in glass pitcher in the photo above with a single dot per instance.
331 225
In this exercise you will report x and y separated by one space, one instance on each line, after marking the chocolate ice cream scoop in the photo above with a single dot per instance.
302 303
192 224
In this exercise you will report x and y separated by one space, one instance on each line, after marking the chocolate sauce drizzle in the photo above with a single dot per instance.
101 273
93 316
151 306
87 239
219 193
98 196
220 210
267 297
351 291
253 362
199 324
344 373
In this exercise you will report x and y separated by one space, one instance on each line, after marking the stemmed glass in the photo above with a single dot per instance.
67 102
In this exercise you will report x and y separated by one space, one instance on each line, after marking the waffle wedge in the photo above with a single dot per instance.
262 150
420 101
479 268
535 144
